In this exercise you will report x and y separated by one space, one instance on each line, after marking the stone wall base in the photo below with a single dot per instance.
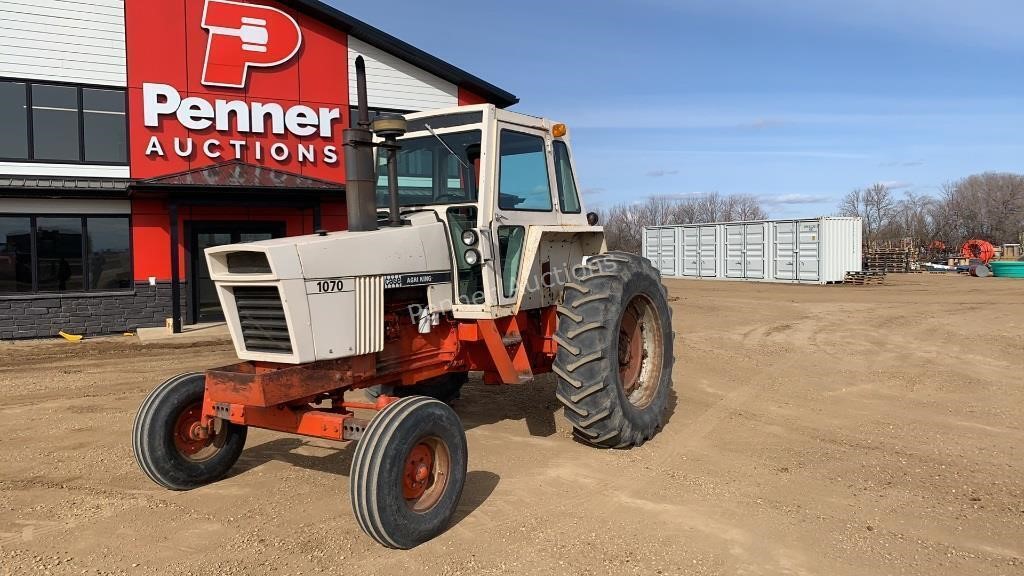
87 314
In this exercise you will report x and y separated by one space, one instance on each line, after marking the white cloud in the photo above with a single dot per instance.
903 164
795 199
895 184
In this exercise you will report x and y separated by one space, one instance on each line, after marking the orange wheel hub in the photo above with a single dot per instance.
419 468
188 438
640 351
631 352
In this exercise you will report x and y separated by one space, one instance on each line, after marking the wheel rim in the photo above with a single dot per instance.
640 351
187 440
425 474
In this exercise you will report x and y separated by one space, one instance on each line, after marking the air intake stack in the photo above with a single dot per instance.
360 173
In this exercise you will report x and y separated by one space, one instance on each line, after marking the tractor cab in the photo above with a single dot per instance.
503 183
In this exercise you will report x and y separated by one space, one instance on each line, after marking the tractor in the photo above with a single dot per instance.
467 250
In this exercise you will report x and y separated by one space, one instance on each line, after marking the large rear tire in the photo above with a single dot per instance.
163 440
614 361
408 472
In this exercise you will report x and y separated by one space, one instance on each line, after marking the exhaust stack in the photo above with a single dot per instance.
360 172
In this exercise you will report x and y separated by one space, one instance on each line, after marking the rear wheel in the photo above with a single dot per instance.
167 442
614 361
408 472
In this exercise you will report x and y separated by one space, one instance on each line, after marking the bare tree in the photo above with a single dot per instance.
624 223
708 208
875 205
853 204
912 220
747 208
989 206
880 207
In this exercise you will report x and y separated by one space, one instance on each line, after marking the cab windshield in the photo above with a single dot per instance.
428 173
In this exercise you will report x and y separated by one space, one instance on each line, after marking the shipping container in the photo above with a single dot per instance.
809 251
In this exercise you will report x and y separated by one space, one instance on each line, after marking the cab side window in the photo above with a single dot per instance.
523 182
568 197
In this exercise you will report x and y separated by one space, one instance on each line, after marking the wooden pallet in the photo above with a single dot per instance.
890 261
865 278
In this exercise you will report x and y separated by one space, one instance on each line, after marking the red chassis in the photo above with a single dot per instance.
292 398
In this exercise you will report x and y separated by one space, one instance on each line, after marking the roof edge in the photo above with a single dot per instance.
407 52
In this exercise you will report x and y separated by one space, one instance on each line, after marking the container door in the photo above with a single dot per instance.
691 252
709 251
669 259
809 252
753 251
734 251
785 250
650 247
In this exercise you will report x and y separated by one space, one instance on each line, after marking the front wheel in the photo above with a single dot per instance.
614 361
165 439
408 472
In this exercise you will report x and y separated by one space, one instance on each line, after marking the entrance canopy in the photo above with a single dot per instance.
238 175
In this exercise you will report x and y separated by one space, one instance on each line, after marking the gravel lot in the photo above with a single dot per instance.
816 430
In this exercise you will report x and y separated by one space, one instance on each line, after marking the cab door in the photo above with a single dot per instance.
525 181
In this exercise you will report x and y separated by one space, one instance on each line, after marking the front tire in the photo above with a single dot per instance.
614 361
162 437
408 472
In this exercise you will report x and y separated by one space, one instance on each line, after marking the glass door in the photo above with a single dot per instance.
205 306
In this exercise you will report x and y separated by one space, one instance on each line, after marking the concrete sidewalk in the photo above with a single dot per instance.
195 333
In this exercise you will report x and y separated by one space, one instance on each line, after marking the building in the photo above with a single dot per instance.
137 133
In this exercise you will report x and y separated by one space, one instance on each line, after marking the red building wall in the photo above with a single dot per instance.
151 237
468 98
167 44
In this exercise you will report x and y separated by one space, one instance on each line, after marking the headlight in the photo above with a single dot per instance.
469 238
472 257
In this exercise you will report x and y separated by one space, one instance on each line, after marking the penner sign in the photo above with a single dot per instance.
162 103
240 38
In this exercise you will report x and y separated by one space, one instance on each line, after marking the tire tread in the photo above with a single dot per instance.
586 366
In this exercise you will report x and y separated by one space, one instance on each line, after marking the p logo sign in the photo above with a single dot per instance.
244 35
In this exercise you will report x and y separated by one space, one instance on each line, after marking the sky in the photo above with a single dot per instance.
796 102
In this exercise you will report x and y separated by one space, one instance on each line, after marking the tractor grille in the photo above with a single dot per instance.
261 314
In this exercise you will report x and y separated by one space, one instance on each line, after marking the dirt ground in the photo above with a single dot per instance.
815 430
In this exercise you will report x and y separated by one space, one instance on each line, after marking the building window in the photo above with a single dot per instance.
14 119
63 123
15 254
57 254
103 126
55 123
109 254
